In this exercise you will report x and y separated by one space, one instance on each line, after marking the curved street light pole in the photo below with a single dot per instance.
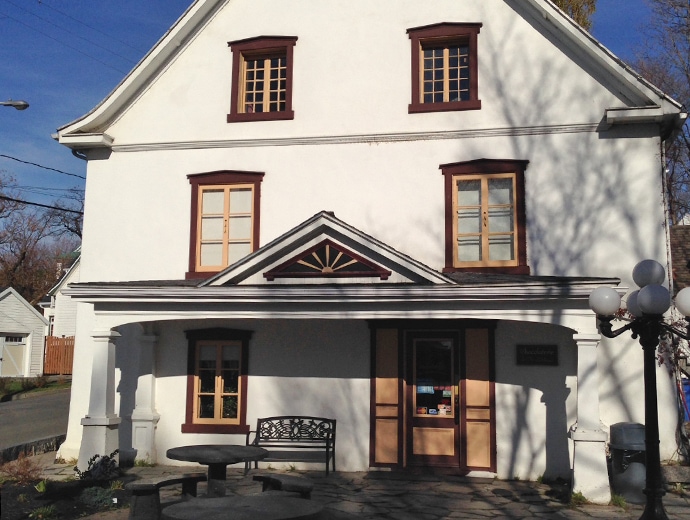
18 104
648 306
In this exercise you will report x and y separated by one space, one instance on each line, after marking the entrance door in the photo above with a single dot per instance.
433 400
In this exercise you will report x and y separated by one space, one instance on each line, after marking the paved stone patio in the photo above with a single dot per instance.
404 496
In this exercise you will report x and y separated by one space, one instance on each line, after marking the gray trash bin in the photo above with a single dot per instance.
628 467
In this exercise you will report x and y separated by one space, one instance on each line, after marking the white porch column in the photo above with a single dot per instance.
144 416
100 435
590 474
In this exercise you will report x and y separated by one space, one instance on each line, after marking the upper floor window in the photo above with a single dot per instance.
262 79
224 220
485 216
444 67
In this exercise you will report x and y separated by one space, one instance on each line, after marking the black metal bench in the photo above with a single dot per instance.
146 501
295 438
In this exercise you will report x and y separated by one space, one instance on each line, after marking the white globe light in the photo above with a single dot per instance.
633 306
605 301
683 301
654 299
648 272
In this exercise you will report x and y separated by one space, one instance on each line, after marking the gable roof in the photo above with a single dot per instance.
646 103
316 249
10 292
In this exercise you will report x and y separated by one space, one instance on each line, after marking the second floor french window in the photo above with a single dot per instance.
485 216
225 220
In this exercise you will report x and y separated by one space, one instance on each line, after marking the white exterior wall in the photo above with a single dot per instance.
65 310
594 198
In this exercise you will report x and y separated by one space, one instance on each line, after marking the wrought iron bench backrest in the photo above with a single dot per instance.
296 428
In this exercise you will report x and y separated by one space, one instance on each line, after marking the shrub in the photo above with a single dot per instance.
100 468
23 470
3 384
44 513
40 381
97 497
578 499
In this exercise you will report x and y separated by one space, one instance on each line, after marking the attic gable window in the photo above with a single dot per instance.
262 79
444 67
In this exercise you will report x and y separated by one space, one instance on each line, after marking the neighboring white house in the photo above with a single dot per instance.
22 335
389 213
61 310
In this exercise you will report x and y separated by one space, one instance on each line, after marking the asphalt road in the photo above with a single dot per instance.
34 418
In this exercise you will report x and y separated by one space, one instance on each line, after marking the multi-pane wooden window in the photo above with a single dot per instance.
444 67
224 220
225 225
217 381
485 220
262 79
264 84
446 73
217 377
485 216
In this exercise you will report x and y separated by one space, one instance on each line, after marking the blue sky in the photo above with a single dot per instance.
64 56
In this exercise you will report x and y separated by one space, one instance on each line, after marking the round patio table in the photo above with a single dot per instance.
265 506
217 457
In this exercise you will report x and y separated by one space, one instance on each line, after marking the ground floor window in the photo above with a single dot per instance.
217 381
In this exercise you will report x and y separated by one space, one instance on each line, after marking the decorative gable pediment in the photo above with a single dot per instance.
326 250
327 259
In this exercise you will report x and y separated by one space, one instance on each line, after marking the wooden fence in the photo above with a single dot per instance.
59 356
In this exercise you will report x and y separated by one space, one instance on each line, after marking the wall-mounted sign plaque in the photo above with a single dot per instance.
544 355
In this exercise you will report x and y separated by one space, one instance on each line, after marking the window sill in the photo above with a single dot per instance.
518 269
215 428
199 275
418 108
261 116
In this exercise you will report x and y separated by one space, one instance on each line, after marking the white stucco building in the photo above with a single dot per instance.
389 213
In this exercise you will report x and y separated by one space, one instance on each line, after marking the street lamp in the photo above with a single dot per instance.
19 104
647 305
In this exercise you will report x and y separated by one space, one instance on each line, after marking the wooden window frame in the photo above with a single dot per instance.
226 178
485 168
195 339
440 34
260 47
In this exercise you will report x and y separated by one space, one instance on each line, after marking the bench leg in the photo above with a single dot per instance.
188 489
145 506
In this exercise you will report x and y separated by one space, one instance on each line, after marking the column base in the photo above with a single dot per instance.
144 436
590 472
99 437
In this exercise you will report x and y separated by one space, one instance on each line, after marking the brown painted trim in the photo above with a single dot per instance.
486 166
220 177
217 333
466 32
372 397
282 271
261 45
492 398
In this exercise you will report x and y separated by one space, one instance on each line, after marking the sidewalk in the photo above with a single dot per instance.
402 496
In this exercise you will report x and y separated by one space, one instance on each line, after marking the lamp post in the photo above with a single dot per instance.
18 104
647 305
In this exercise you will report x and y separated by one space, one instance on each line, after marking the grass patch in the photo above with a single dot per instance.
578 499
618 501
10 385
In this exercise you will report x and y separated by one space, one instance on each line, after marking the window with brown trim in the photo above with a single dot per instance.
224 220
444 67
217 381
485 216
262 79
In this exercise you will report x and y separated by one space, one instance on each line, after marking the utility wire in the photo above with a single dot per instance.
75 49
70 32
41 166
2 197
43 4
